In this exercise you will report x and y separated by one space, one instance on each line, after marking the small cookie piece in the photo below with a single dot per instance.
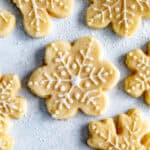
7 22
36 14
6 142
128 132
11 105
139 82
4 124
74 77
125 15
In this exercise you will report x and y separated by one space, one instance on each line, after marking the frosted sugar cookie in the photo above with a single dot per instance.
128 132
125 15
74 77
7 22
139 82
36 14
11 106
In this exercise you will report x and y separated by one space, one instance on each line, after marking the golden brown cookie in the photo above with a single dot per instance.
128 132
125 15
36 14
74 77
7 22
139 82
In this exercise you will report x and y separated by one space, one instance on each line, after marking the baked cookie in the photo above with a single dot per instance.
74 77
125 15
36 14
7 22
11 106
7 142
128 132
139 82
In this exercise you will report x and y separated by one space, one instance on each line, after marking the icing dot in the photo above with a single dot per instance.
57 112
117 9
93 127
148 71
63 88
74 66
87 69
57 60
60 53
63 73
87 84
134 57
123 145
133 6
97 131
130 54
77 96
35 83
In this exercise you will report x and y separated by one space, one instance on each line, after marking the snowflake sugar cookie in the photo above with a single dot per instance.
139 83
36 14
7 22
11 106
129 132
73 78
125 15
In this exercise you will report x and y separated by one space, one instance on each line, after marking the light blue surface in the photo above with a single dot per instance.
21 54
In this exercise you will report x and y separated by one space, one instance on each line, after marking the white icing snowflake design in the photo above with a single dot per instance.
74 78
10 105
36 14
127 134
125 15
139 82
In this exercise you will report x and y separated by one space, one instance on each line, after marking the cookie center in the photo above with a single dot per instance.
76 80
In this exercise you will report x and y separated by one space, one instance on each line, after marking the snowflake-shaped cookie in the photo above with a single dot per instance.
36 14
139 82
6 142
129 132
11 105
125 15
73 78
7 22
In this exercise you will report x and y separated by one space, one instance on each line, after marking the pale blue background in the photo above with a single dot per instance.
21 54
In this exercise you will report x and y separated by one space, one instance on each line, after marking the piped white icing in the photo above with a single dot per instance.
118 9
69 77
